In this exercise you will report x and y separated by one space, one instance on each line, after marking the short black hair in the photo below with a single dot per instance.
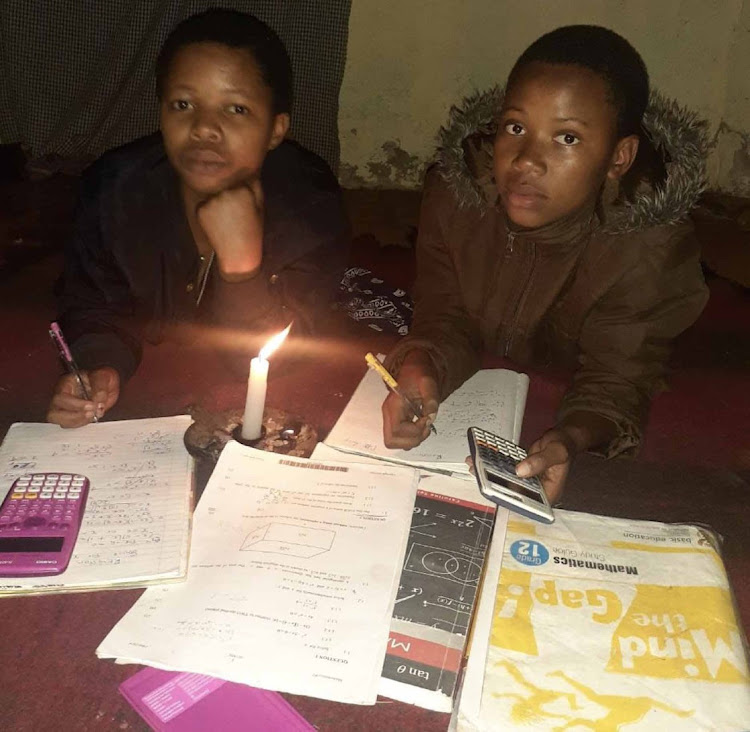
236 30
605 53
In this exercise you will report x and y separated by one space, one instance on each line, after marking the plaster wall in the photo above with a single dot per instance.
410 60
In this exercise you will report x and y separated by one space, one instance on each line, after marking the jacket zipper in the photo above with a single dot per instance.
204 277
524 292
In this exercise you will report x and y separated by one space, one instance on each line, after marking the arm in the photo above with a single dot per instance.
305 237
442 348
624 348
97 313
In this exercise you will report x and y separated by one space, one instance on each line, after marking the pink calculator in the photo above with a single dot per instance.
39 522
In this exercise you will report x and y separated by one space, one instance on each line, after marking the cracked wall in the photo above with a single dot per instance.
409 62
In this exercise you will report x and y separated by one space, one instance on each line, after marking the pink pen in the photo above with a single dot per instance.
67 357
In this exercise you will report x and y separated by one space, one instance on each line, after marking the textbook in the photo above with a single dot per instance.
494 399
607 623
136 524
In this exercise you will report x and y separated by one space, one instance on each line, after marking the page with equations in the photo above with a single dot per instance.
136 524
494 399
293 576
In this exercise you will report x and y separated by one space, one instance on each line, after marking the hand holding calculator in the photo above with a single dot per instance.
495 461
39 522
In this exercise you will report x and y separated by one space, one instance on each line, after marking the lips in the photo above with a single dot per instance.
523 195
201 161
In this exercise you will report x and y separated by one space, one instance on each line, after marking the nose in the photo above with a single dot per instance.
205 127
530 156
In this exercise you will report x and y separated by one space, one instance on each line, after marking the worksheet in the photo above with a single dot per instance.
493 399
136 525
294 570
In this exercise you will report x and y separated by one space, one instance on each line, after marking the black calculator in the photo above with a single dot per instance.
495 460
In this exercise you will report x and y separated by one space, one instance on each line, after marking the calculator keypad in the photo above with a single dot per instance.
42 501
492 450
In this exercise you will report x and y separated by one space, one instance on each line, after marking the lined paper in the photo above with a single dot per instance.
493 399
136 525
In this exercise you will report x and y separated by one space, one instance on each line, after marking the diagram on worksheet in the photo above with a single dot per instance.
289 539
438 588
443 564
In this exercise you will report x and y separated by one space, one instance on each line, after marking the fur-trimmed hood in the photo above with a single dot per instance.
677 133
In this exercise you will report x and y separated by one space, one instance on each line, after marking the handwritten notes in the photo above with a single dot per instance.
293 575
136 526
493 399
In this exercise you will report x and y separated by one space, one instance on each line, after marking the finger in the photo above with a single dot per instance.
555 453
470 462
399 431
408 434
70 412
554 481
105 389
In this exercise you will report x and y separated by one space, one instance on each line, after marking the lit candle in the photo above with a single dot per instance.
256 387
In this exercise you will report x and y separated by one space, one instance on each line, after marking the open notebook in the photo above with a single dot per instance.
136 524
494 399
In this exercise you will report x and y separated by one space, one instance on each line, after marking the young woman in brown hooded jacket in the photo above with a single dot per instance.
548 233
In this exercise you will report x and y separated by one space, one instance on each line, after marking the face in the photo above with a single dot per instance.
556 143
217 118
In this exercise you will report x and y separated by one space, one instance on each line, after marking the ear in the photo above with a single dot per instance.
623 156
279 130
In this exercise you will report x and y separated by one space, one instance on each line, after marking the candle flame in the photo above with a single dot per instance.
274 342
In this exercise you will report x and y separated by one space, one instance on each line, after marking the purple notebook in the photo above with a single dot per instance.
185 702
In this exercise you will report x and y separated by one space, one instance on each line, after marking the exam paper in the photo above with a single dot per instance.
449 557
136 524
293 576
493 399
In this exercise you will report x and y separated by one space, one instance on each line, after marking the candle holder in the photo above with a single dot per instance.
281 432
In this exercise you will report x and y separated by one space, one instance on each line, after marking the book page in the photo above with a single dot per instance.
136 524
493 399
444 567
293 576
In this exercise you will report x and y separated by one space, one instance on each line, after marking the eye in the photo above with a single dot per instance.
179 105
514 128
568 139
238 109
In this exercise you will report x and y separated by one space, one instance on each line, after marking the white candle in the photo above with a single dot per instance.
256 399
257 382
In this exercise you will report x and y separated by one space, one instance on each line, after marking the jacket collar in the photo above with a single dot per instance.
562 234
465 162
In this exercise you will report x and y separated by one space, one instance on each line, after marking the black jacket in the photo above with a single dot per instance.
132 268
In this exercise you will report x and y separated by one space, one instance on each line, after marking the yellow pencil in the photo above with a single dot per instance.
392 384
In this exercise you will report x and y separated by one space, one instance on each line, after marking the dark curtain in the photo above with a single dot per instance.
76 77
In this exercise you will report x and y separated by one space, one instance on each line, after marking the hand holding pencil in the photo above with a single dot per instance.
80 397
411 408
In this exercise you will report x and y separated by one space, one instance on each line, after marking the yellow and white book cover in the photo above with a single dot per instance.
611 624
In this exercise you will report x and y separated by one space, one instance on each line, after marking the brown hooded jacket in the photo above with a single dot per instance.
604 290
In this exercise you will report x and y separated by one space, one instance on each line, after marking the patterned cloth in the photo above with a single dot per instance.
78 78
369 300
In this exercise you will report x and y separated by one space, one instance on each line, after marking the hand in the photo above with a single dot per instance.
233 223
418 380
69 409
549 458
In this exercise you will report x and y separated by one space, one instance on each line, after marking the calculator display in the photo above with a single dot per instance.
32 544
515 487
